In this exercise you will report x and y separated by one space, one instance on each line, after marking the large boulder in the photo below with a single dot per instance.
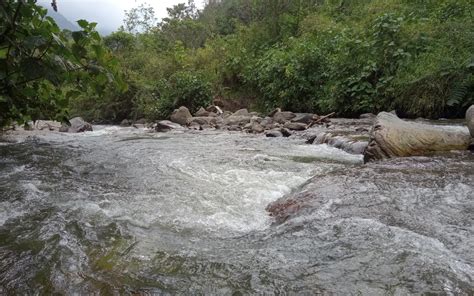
210 121
241 112
282 117
470 120
306 118
181 115
393 137
202 112
79 125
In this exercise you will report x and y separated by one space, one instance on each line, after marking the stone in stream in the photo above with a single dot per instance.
273 134
181 115
47 125
126 123
202 113
242 112
166 125
257 128
209 121
367 116
393 137
285 132
295 126
470 120
79 125
282 117
237 120
305 118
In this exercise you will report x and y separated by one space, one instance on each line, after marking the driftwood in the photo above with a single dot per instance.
393 137
321 119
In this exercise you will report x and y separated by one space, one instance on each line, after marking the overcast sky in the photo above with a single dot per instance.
109 14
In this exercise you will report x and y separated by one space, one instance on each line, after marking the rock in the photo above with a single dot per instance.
166 125
126 122
285 132
393 137
181 115
271 114
242 112
141 121
234 128
274 134
295 126
305 118
257 128
210 121
195 126
282 117
64 128
470 120
237 120
78 125
47 125
214 109
202 113
367 116
226 114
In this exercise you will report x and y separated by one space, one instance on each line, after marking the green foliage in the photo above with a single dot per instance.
43 68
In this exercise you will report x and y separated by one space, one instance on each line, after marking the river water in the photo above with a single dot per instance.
125 211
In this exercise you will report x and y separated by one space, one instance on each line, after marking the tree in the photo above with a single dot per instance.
41 68
140 19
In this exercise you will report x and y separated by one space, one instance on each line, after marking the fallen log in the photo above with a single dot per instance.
393 137
321 119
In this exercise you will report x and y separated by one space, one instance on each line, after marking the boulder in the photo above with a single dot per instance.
237 120
210 121
257 128
393 137
282 117
181 115
274 134
126 122
305 118
214 109
275 111
141 121
78 125
470 120
226 114
241 112
367 116
202 113
49 125
295 126
166 125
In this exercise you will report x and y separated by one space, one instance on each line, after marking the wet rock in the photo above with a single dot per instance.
273 134
470 120
226 114
125 123
181 115
64 128
234 128
166 125
195 126
141 121
282 117
305 118
295 126
47 125
285 132
367 116
393 137
78 125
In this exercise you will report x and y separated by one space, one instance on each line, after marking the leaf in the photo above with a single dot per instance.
3 53
79 36
83 23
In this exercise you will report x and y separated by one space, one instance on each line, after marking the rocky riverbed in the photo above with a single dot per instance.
222 212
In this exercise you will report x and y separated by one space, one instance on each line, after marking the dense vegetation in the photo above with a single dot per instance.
415 56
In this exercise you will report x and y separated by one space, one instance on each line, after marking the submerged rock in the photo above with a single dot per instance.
274 134
392 137
181 115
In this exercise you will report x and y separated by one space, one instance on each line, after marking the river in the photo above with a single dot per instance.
125 211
